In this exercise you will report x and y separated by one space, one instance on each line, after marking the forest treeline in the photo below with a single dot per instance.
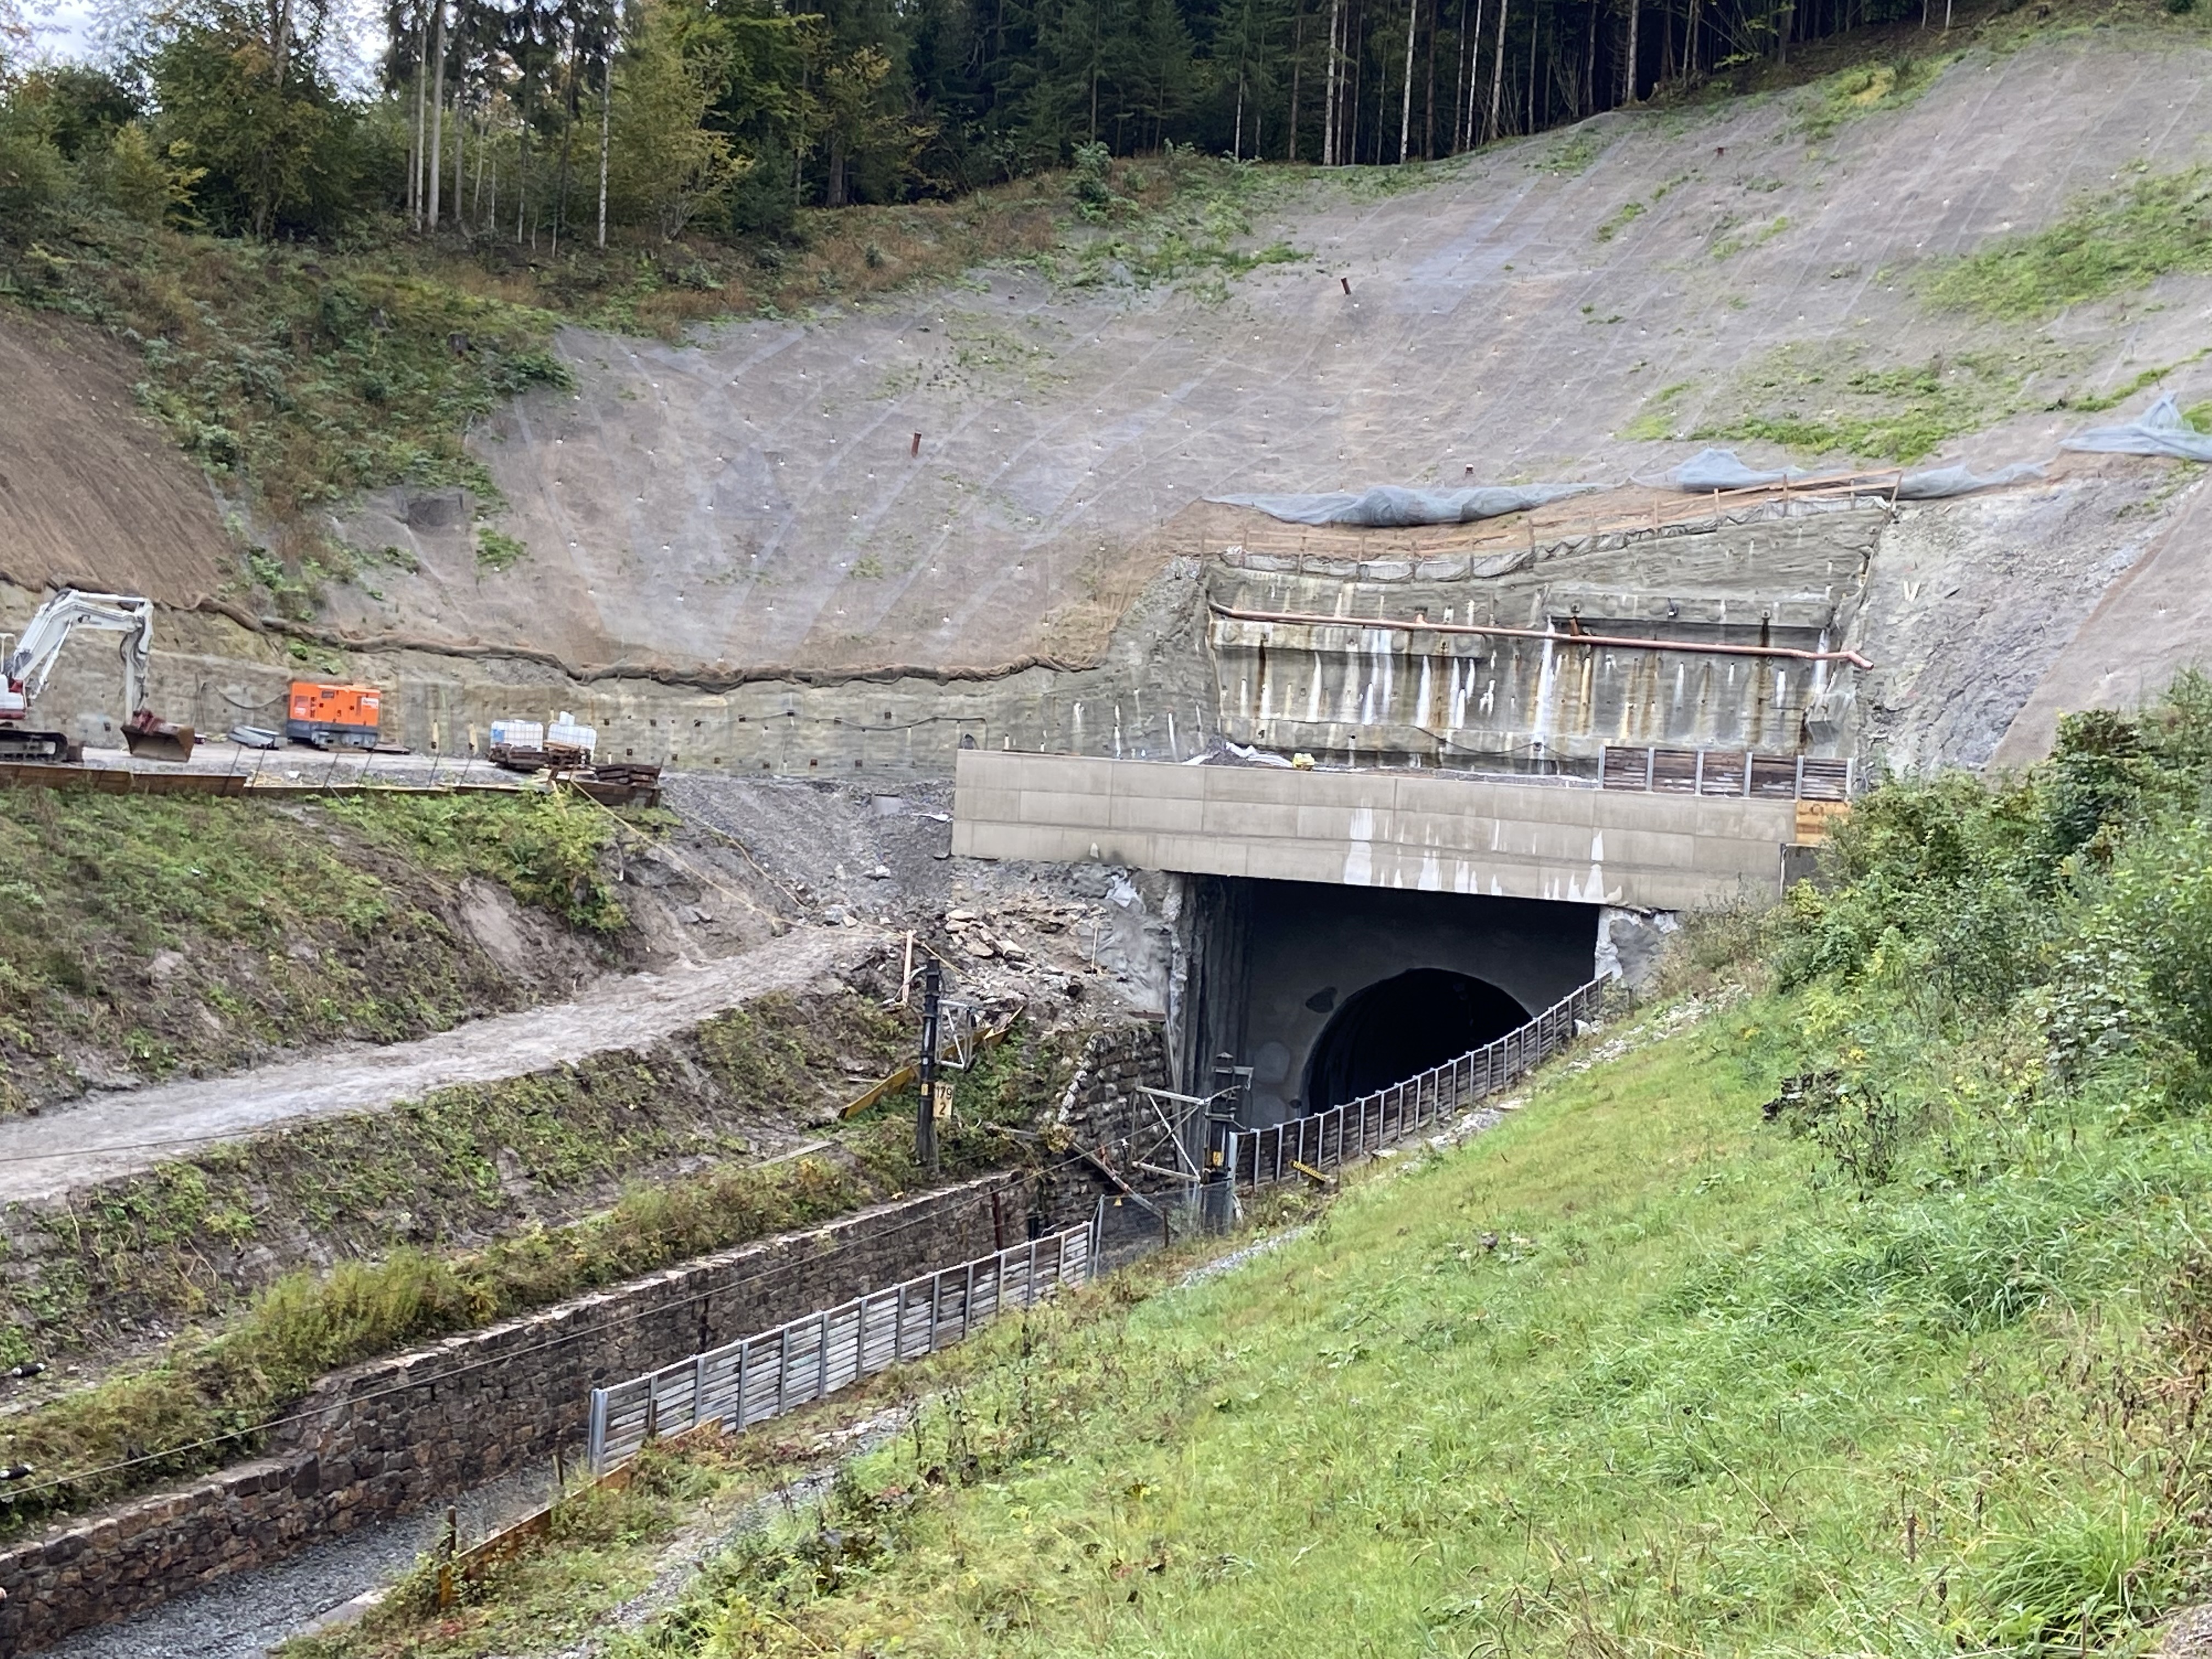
555 122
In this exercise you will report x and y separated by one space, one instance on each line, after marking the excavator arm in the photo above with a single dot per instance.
33 657
26 665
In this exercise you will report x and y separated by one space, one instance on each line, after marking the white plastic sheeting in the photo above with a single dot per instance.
2159 431
1391 507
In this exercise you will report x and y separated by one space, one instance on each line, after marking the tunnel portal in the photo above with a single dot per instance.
1401 1025
1327 992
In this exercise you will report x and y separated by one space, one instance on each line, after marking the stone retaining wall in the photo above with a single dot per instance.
1101 1103
395 1434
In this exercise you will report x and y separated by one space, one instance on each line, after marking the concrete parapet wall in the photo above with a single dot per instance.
1422 831
395 1434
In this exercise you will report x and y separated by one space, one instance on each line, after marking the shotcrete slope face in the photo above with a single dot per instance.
751 498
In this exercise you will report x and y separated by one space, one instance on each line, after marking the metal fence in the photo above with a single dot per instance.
1729 772
1253 1157
761 1376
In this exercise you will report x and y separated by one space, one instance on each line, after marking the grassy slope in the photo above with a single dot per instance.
153 1243
299 375
1621 1376
273 926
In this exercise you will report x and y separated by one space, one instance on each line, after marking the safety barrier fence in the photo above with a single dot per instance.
778 1370
1729 772
1316 1145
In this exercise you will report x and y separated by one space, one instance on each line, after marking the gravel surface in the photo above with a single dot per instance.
244 1617
106 1136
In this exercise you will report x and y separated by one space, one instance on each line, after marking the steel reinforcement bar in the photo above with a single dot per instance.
1326 1140
777 1370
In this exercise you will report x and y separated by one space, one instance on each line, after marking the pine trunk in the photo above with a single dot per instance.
1405 100
606 107
1498 72
1460 49
1328 100
437 115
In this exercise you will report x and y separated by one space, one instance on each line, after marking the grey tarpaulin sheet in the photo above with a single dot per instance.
1388 505
1943 481
1719 469
2161 431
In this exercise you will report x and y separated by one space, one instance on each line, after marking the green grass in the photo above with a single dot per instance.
1619 220
300 374
197 1236
442 1158
1624 1377
2108 242
273 926
1825 400
2095 402
1867 89
497 550
1178 218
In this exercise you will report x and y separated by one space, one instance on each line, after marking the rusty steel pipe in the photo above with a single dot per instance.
1709 649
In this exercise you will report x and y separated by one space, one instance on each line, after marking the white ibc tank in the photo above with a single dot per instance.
565 733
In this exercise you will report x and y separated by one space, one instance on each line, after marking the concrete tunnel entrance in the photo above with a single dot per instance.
1327 992
1401 1025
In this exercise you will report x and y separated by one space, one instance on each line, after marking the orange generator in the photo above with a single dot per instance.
333 716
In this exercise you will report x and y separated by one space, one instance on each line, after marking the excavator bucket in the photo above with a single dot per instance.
149 739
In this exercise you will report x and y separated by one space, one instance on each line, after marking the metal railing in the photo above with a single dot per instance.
1255 1157
1728 772
777 1370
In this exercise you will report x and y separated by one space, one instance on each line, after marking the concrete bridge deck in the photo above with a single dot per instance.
1427 831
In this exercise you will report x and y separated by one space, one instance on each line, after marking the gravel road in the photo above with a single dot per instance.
107 1136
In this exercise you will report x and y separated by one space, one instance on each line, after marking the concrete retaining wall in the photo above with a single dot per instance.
396 1435
1425 830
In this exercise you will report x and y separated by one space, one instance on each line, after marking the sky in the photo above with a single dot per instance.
62 28
70 29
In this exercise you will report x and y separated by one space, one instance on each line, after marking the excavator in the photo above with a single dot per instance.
24 668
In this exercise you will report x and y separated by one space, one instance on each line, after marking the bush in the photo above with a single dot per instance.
33 178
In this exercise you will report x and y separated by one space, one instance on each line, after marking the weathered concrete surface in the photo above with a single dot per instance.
1307 953
1424 830
1372 684
1151 693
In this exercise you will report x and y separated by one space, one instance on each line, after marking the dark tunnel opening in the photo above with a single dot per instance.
1399 1026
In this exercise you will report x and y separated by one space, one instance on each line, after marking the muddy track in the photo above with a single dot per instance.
107 1137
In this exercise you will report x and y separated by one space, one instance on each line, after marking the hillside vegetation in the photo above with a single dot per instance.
157 936
1865 1314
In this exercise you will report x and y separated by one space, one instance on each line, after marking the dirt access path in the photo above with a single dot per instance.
110 1136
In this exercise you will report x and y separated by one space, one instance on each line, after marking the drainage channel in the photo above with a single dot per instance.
247 1614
